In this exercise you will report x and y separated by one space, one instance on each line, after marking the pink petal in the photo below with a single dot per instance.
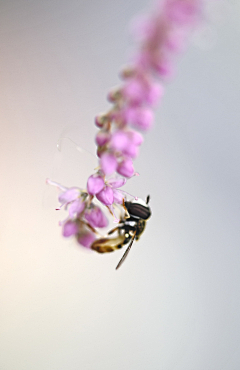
125 168
86 239
119 140
118 196
105 196
117 182
95 184
76 207
96 217
69 228
108 163
69 195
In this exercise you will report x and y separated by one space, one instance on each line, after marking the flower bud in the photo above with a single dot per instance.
101 120
108 163
119 140
134 91
135 137
127 72
125 168
102 137
114 95
100 151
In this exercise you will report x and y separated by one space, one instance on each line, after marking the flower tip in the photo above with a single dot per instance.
57 209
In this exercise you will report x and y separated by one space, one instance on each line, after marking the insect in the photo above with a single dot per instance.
130 227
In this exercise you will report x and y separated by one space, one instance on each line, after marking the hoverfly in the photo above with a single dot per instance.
130 227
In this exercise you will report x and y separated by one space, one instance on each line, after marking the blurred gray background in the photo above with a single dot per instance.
175 303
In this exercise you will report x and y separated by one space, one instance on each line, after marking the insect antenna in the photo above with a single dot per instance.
148 198
126 252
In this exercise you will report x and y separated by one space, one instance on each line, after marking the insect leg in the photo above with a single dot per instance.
127 251
115 229
92 228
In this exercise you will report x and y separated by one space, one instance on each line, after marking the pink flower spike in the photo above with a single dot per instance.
76 207
69 195
95 184
69 228
108 163
125 168
96 217
105 196
86 239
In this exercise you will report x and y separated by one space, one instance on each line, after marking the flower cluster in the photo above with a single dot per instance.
83 215
118 140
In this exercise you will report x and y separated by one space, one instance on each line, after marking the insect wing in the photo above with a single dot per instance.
126 252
